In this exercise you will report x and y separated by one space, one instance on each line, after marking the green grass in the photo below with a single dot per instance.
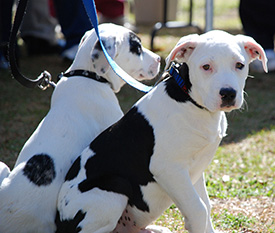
233 222
241 178
244 169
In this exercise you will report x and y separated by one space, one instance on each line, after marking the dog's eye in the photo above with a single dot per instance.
239 66
206 67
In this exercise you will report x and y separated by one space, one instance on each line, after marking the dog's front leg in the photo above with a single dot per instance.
201 190
177 183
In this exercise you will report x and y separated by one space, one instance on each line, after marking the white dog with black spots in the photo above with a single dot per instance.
83 104
157 153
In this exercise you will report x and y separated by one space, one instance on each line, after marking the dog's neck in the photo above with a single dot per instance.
180 75
115 82
84 73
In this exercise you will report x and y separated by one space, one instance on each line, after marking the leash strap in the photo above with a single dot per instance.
91 12
44 79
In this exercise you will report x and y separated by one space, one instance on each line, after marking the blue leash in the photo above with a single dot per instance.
91 12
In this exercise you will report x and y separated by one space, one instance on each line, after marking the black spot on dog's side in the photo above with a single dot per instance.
95 56
40 170
135 44
173 89
69 226
74 170
121 160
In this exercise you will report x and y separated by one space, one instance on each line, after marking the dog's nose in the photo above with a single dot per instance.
228 96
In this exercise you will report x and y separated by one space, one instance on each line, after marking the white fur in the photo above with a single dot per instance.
4 171
186 139
81 108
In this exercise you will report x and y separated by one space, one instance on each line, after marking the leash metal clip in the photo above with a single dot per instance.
45 80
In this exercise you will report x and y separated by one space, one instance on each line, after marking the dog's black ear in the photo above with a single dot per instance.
100 63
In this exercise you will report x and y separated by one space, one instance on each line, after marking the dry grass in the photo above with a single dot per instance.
252 215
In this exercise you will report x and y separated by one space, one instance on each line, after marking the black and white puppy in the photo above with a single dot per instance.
81 108
156 154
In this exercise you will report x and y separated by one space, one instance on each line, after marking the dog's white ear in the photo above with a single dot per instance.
86 35
4 171
254 50
183 49
99 61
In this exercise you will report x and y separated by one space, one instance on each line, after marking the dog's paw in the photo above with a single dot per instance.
157 229
4 171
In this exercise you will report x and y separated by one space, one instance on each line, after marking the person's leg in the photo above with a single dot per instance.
38 21
74 23
38 29
259 22
5 27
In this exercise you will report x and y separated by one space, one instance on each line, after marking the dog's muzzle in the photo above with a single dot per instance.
228 97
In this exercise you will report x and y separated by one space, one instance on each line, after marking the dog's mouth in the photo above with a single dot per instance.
228 107
145 76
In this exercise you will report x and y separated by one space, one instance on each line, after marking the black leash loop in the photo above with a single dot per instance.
44 79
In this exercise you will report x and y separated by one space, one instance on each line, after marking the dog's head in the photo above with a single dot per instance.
124 46
218 67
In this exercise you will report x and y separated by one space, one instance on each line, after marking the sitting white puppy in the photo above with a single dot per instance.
83 105
157 153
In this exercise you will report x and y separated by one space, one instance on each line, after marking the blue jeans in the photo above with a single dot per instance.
73 19
258 21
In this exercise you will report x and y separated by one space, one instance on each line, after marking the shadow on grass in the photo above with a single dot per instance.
258 112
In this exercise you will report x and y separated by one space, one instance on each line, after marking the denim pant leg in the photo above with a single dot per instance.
38 21
5 21
258 19
73 19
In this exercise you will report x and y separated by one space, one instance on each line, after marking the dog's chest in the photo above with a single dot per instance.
189 142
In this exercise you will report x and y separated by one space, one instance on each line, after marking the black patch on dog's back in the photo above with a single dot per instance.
74 170
173 89
135 44
69 226
122 157
40 170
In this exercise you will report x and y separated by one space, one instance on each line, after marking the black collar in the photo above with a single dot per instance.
84 73
175 73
